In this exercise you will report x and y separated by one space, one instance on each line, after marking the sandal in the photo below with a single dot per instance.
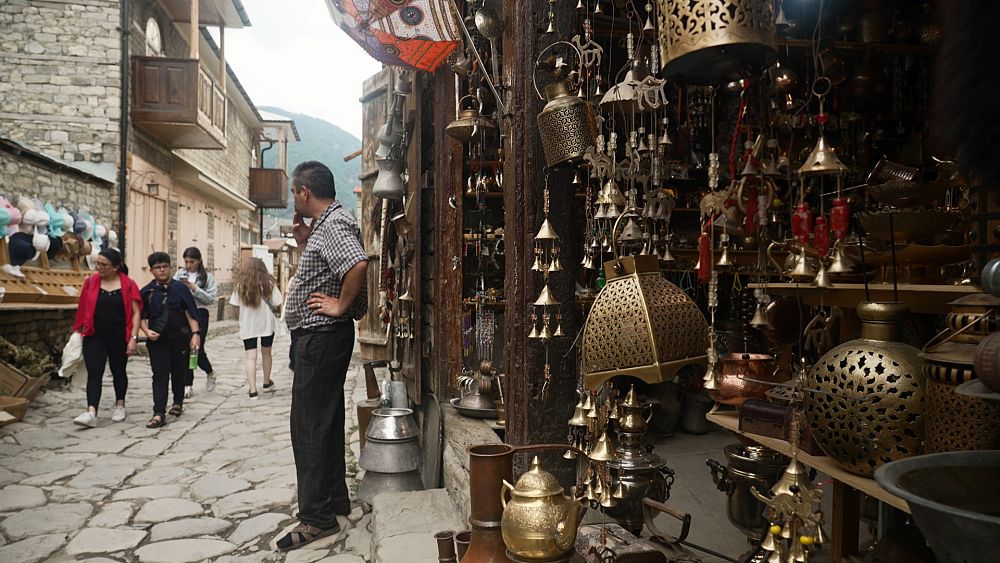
156 422
175 410
303 534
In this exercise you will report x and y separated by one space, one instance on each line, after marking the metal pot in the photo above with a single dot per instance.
392 425
390 457
733 378
641 475
374 483
953 499
747 466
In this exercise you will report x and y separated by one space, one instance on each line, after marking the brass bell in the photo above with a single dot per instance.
559 331
590 492
537 266
750 169
591 414
631 232
841 263
781 22
576 179
709 379
579 419
613 412
545 334
579 6
724 261
598 486
795 474
588 402
803 269
608 501
546 232
602 211
822 280
570 454
820 534
555 266
389 183
619 491
597 7
648 27
775 556
602 451
551 28
534 331
768 544
631 401
771 168
822 160
545 297
759 319
797 553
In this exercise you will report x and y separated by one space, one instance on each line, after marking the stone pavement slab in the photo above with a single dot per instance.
165 509
188 528
403 525
255 500
256 527
215 486
183 551
104 540
16 497
149 492
33 549
45 520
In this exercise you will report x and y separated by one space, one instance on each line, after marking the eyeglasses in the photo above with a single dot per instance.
160 267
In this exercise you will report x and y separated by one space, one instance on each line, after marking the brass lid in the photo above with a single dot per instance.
537 483
977 300
951 353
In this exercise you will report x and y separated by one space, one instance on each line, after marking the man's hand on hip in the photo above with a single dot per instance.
323 304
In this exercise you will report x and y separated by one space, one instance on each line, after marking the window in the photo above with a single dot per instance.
154 44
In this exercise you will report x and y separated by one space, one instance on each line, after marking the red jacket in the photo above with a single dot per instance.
84 323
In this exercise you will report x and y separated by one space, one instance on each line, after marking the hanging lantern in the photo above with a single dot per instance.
716 41
641 325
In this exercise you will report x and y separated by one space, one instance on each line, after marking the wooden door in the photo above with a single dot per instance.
146 232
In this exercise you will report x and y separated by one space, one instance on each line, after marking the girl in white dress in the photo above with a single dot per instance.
257 296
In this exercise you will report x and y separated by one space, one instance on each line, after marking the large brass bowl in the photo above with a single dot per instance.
909 226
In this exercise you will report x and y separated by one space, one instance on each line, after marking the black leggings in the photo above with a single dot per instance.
106 347
203 363
169 359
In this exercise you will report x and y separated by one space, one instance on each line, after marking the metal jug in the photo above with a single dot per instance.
566 123
469 122
389 184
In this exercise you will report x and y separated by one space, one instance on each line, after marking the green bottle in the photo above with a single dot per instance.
601 281
193 359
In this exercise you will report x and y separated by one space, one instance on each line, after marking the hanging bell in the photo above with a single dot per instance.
389 183
545 297
619 492
576 179
776 556
537 266
545 334
534 331
803 268
579 418
797 553
613 412
598 486
580 7
555 266
841 263
724 261
559 331
602 211
820 538
570 454
759 319
602 451
608 501
709 379
822 280
781 22
771 168
590 492
632 232
750 169
551 28
648 27
768 544
546 232
588 403
597 7
822 160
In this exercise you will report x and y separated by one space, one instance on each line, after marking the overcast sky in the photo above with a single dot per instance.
294 57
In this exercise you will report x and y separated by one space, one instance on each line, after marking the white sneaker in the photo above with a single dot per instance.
118 415
210 383
253 395
86 420
188 391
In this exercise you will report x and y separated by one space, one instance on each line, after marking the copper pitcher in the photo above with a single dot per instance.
489 466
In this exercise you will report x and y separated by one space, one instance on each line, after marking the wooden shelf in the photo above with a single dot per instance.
730 421
38 306
922 298
858 46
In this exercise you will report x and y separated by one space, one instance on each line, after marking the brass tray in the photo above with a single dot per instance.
473 412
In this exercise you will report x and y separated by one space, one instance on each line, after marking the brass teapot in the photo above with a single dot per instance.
539 522
470 121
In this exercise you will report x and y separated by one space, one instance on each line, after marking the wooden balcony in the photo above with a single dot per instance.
269 188
178 102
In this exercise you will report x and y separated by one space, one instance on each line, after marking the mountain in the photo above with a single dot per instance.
325 142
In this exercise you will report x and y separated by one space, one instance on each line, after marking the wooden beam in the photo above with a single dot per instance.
193 31
222 58
846 519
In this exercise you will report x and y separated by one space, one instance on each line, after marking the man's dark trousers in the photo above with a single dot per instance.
317 422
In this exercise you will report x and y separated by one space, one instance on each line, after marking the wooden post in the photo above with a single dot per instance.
530 419
222 58
193 32
845 521
446 298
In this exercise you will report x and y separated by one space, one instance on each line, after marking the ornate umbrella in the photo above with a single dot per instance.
417 34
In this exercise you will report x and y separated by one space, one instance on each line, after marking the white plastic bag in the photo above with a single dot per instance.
72 356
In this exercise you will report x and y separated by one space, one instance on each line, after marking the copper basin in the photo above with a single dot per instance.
734 378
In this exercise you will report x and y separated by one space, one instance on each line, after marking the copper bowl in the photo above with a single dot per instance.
736 374
909 226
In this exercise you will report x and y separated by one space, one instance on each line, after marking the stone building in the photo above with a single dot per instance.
193 133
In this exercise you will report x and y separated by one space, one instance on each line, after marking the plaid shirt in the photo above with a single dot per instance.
334 247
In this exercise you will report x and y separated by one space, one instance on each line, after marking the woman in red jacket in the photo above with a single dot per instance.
108 320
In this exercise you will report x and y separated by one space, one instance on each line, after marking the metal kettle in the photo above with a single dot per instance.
539 522
389 183
469 122
566 123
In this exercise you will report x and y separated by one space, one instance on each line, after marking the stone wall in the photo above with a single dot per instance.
45 331
59 77
24 176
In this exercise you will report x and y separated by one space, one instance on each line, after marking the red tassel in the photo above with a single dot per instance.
750 221
705 256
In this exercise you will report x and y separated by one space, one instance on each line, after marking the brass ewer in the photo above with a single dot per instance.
634 415
641 325
566 123
469 122
539 522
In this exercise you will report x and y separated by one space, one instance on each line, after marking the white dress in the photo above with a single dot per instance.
256 322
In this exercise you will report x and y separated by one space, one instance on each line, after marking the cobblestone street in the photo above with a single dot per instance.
215 484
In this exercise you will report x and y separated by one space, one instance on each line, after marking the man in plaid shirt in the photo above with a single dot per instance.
329 294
